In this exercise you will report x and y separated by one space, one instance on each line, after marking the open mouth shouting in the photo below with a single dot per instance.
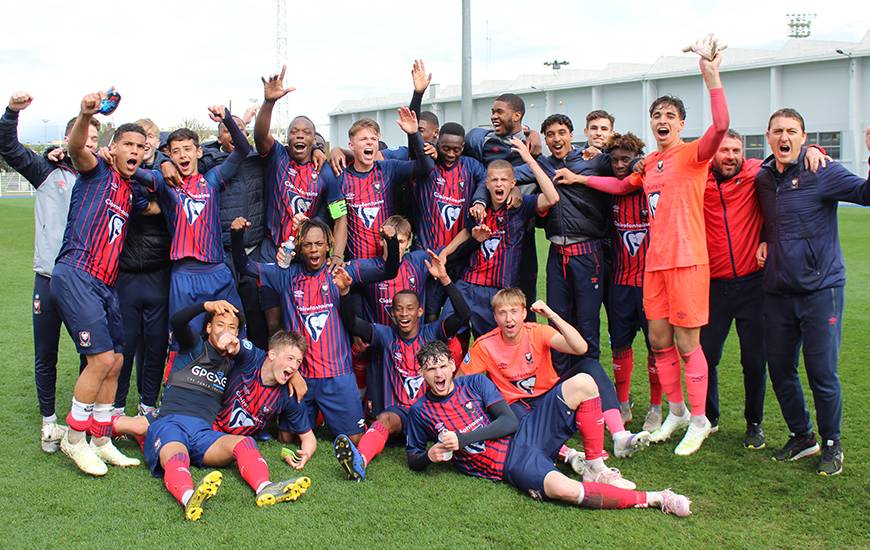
662 132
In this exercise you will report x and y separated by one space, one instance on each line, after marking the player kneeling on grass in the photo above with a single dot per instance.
399 345
183 432
474 427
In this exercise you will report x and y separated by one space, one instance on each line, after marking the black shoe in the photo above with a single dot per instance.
263 435
754 438
831 462
797 447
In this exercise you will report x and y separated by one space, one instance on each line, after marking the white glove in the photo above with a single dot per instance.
707 47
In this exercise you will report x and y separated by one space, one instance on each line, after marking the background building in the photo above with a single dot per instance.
828 82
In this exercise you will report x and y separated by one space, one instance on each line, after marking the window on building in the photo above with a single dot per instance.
829 140
753 146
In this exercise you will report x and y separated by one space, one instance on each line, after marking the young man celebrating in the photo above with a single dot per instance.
677 273
804 278
398 345
475 428
83 282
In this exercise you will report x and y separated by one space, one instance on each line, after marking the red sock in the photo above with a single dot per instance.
78 425
590 422
603 496
668 369
373 441
623 364
250 463
176 476
696 380
100 429
613 421
655 387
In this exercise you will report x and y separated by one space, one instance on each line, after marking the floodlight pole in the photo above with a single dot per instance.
466 65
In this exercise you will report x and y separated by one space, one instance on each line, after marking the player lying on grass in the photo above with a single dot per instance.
399 345
473 426
184 432
517 357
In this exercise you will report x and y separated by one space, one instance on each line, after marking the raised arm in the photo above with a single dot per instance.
461 312
241 148
611 185
569 339
353 324
709 142
237 244
548 195
82 158
273 90
32 166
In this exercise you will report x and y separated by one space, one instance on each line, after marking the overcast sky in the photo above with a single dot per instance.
169 60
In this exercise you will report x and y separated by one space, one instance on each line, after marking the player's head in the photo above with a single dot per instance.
128 148
558 132
728 159
223 328
507 114
667 118
315 240
437 367
224 136
451 142
407 312
509 310
286 351
184 150
364 136
300 139
152 139
403 232
623 148
428 125
92 144
786 134
320 142
599 127
500 181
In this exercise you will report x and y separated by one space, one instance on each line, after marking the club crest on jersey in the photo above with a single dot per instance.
469 406
529 358
313 176
85 339
324 288
461 184
240 418
489 246
660 166
368 214
116 227
377 187
633 240
449 213
412 386
314 323
412 281
653 200
192 209
300 205
440 181
526 384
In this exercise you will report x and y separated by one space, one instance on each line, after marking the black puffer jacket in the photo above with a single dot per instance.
146 247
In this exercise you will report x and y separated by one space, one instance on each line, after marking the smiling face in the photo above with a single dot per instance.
510 318
438 374
450 149
620 162
300 139
598 131
285 361
785 136
499 182
505 121
220 325
558 138
666 125
314 248
128 150
185 154
364 145
152 142
729 157
407 313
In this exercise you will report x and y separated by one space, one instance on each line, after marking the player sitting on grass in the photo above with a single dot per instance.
398 345
475 428
517 357
184 432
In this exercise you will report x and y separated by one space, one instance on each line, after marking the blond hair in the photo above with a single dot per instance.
507 297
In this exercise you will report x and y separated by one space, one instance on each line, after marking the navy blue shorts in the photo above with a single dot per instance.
540 436
399 411
89 309
193 282
479 300
339 400
625 315
191 431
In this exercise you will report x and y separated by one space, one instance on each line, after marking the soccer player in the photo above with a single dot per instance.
183 434
310 306
676 277
475 428
803 280
83 279
192 213
630 215
53 184
517 356
497 262
398 345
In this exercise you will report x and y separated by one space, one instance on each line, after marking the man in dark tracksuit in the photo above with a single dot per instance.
804 277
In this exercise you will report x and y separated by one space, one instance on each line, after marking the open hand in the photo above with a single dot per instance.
436 267
407 120
273 87
481 232
342 279
420 77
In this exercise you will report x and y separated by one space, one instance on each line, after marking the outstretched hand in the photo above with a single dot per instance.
342 279
420 77
707 47
522 150
20 101
273 87
219 307
216 113
481 232
407 120
436 267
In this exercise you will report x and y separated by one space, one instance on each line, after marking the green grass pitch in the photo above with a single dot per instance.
740 498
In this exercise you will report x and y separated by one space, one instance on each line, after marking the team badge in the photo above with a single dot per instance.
529 358
377 187
449 214
37 305
192 209
489 246
313 176
314 324
368 214
85 339
653 200
526 384
116 227
412 386
500 220
247 344
632 240
469 405
324 288
659 166
461 184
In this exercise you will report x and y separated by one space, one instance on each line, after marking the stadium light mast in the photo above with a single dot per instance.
281 112
556 64
799 24
466 65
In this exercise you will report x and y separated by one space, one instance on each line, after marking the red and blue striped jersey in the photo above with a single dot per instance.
192 212
441 201
249 405
100 206
412 276
291 188
630 238
403 383
370 201
462 411
496 263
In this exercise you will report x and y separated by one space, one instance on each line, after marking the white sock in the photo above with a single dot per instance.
570 455
582 494
620 437
186 496
699 421
81 412
263 485
49 419
596 465
677 409
654 499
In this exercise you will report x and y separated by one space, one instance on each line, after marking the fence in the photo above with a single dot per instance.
12 184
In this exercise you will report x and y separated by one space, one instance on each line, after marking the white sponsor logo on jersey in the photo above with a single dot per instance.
192 209
653 200
240 418
116 227
449 214
300 205
489 247
368 214
633 240
527 384
314 323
